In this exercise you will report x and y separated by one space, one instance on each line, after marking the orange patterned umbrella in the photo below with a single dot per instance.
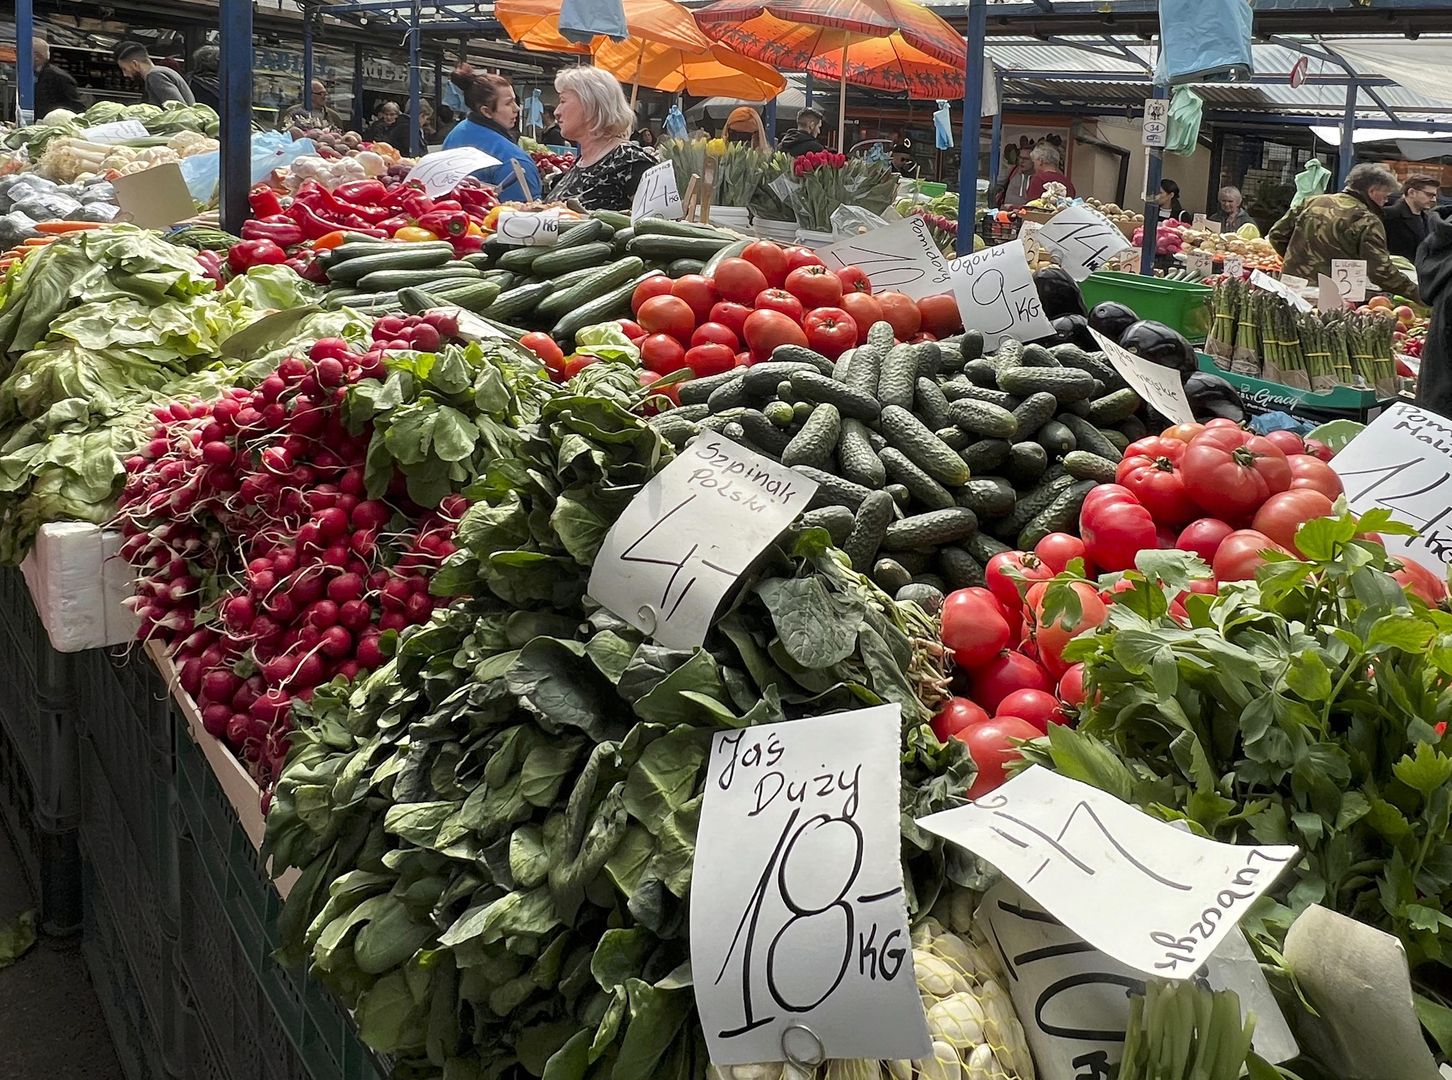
892 64
718 72
535 24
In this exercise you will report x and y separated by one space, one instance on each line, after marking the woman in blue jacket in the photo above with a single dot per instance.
493 112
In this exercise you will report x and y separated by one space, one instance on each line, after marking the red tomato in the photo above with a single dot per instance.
731 315
662 354
1230 472
743 359
782 301
710 359
765 330
830 330
1159 486
956 714
709 333
1240 554
543 346
1001 676
1419 581
902 312
697 291
1150 448
1058 550
939 315
577 363
1289 442
631 329
667 315
799 256
974 627
992 749
814 286
739 280
1115 527
1002 582
1316 448
1071 686
673 391
1284 512
1308 471
770 259
854 280
1182 432
1203 537
1052 637
919 338
659 285
864 309
1036 706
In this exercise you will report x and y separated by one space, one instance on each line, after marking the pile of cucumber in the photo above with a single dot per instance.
930 458
586 277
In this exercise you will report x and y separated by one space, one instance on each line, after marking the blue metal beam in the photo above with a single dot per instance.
359 117
307 57
234 73
1155 161
1029 9
1348 144
1127 53
415 82
1047 75
972 126
25 54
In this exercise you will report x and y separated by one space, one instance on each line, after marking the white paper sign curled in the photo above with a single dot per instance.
1089 859
1403 462
1204 224
901 257
690 533
1083 238
1234 266
1328 297
1350 278
1160 386
1073 1000
799 943
441 171
528 228
657 195
1261 280
118 131
996 295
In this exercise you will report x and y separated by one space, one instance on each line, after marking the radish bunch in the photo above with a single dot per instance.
264 564
422 332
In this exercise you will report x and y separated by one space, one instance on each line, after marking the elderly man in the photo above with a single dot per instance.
805 138
54 87
1231 214
1346 225
1047 163
1408 221
319 115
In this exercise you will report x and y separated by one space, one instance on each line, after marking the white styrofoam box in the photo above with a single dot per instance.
77 581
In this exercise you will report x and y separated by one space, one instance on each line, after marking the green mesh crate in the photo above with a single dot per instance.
1180 305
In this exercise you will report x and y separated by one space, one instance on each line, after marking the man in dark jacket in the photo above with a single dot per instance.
54 86
804 138
1407 221
1434 274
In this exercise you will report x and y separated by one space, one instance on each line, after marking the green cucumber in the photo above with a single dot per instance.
696 391
972 345
960 389
813 445
669 248
981 372
983 547
589 231
596 282
366 249
925 593
614 304
1061 515
1007 355
1083 465
1038 356
812 385
557 261
472 296
959 569
1113 408
620 242
1070 355
863 371
856 459
1029 506
729 395
932 406
354 270
988 496
898 377
393 280
986 454
1088 437
833 490
655 226
1066 383
873 518
985 418
520 300
763 434
803 355
1056 439
891 576
616 219
837 520
520 260
1027 461
935 457
676 430
681 267
927 532
764 379
923 488
900 495
730 251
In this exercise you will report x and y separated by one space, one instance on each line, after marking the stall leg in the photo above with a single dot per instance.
769 119
307 49
1154 172
1348 126
415 82
972 138
25 57
995 140
235 75
359 119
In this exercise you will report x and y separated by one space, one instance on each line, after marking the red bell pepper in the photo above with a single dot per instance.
417 205
445 224
246 254
466 245
369 193
264 201
313 224
309 268
212 264
447 204
393 224
279 228
398 198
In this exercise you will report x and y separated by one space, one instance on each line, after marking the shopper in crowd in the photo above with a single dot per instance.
389 126
805 138
318 115
445 123
493 112
54 86
744 126
903 162
1408 222
551 136
203 78
594 115
1013 191
427 126
1346 225
644 137
1047 161
1168 200
1231 214
1434 277
158 84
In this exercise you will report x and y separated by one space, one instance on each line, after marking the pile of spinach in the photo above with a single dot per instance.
1299 708
496 828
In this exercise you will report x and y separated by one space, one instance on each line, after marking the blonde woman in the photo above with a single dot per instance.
744 126
594 114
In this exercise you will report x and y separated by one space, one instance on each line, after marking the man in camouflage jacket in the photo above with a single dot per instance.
1346 225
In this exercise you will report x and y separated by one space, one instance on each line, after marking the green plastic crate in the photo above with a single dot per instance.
1181 305
1348 402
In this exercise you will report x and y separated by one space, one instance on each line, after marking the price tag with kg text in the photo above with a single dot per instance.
902 257
528 228
996 295
441 171
1134 887
1083 238
690 533
657 196
799 936
1158 385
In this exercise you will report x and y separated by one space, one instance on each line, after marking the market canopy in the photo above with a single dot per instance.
717 72
535 24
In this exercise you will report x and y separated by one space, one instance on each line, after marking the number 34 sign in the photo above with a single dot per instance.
799 936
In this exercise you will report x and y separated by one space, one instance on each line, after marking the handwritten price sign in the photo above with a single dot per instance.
901 256
799 946
690 533
521 228
1083 238
1158 385
1350 278
1261 280
1089 858
1403 462
441 171
996 294
657 196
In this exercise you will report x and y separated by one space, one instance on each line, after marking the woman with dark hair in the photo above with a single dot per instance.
1168 200
493 112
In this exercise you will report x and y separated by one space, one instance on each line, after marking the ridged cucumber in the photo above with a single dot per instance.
813 445
987 497
1066 383
802 354
837 520
985 418
897 380
1083 465
833 490
1061 515
923 488
931 530
1026 462
812 385
869 527
935 457
697 391
855 456
1034 412
1113 408
959 569
932 406
1056 439
1088 437
986 454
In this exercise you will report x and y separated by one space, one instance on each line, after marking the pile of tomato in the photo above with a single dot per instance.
767 297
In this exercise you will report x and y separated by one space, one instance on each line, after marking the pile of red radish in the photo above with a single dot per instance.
262 496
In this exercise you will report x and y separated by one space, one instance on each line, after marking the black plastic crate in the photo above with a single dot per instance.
259 1020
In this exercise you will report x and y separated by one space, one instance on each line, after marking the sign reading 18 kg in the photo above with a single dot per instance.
690 533
800 947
